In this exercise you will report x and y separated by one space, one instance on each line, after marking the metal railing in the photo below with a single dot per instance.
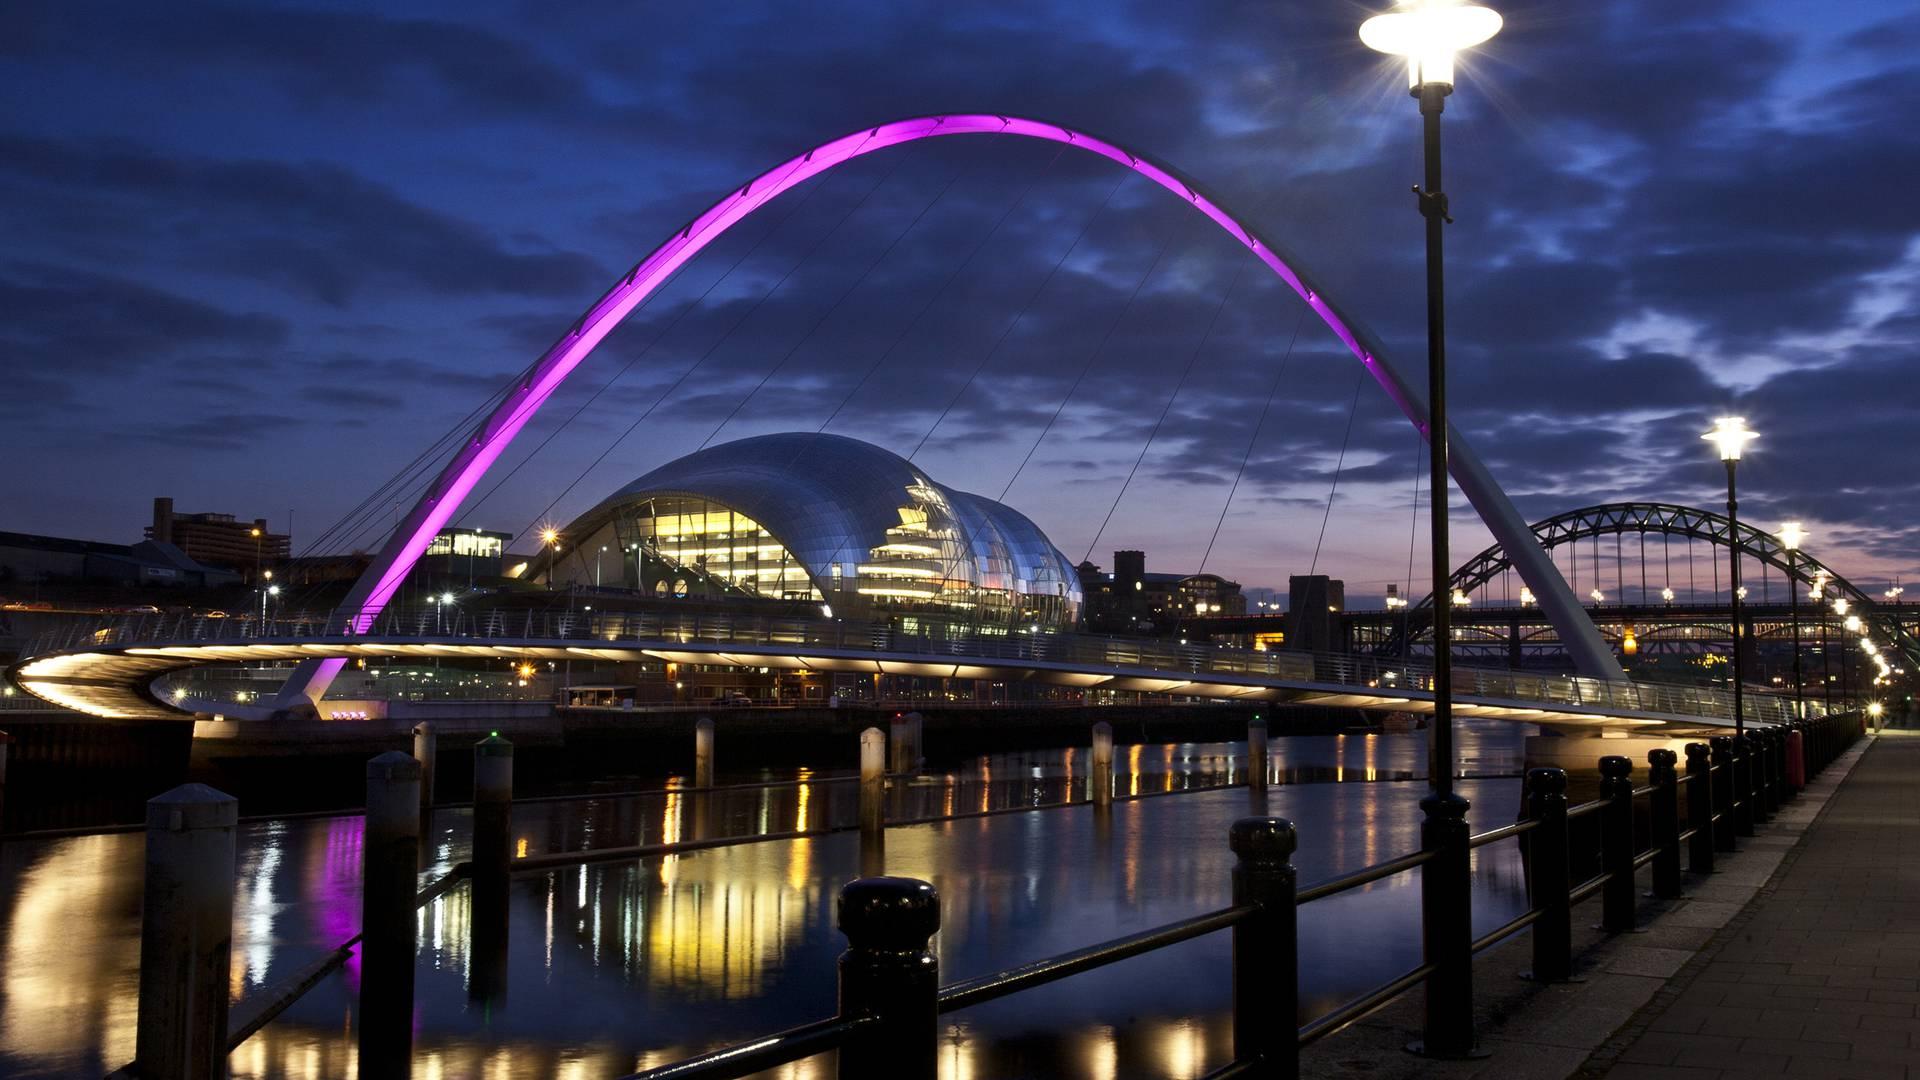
1383 677
890 997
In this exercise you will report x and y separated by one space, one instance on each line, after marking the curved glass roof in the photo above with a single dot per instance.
876 534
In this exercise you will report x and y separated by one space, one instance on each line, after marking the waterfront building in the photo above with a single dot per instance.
824 520
220 539
1132 601
43 560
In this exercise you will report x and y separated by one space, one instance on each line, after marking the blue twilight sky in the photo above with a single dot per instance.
261 256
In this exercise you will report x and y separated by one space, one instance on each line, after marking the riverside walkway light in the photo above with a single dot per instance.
1730 436
1792 535
1430 34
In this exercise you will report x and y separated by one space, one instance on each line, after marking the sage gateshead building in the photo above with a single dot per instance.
824 519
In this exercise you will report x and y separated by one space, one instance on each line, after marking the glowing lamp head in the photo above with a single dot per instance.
1852 624
1729 436
1667 595
1429 33
1629 643
273 590
1840 605
1791 534
549 536
1526 596
1875 708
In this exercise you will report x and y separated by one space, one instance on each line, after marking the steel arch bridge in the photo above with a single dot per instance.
1693 523
477 453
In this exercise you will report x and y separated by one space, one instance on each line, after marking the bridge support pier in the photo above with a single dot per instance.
873 810
426 752
703 752
1257 756
1101 773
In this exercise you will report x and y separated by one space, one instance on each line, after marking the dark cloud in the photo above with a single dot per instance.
1663 211
318 228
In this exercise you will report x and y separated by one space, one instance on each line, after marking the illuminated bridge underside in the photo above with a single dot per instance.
117 681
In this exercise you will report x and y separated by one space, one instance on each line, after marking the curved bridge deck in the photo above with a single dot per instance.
112 671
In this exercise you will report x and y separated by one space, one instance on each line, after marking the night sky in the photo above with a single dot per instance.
258 257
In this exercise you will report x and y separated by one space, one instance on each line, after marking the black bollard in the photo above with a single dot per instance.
1721 753
1266 946
389 852
1699 809
1446 925
1616 843
492 858
1743 807
1547 876
1665 818
186 935
889 973
1762 781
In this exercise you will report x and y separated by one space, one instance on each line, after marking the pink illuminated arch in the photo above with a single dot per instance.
377 586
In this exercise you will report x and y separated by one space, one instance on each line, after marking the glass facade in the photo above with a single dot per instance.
829 519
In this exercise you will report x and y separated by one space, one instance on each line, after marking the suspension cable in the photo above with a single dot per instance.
1193 359
1273 389
1021 316
724 337
835 306
1159 254
644 350
1339 463
935 294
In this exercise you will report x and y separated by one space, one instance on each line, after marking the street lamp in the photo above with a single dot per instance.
1791 536
550 539
1428 33
1729 436
1667 595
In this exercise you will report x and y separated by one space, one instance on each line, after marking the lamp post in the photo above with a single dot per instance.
1729 436
1791 536
1427 33
550 539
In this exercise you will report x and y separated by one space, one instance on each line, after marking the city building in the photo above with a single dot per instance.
36 560
821 519
1313 602
473 554
1131 600
220 539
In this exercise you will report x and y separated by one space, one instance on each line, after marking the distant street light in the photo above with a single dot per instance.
1428 33
1667 595
1729 437
1791 536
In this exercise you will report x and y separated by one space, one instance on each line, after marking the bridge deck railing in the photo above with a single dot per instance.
1378 676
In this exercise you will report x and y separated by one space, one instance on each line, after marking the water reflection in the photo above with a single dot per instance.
614 967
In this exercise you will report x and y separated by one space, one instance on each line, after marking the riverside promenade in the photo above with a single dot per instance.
1798 957
1819 974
